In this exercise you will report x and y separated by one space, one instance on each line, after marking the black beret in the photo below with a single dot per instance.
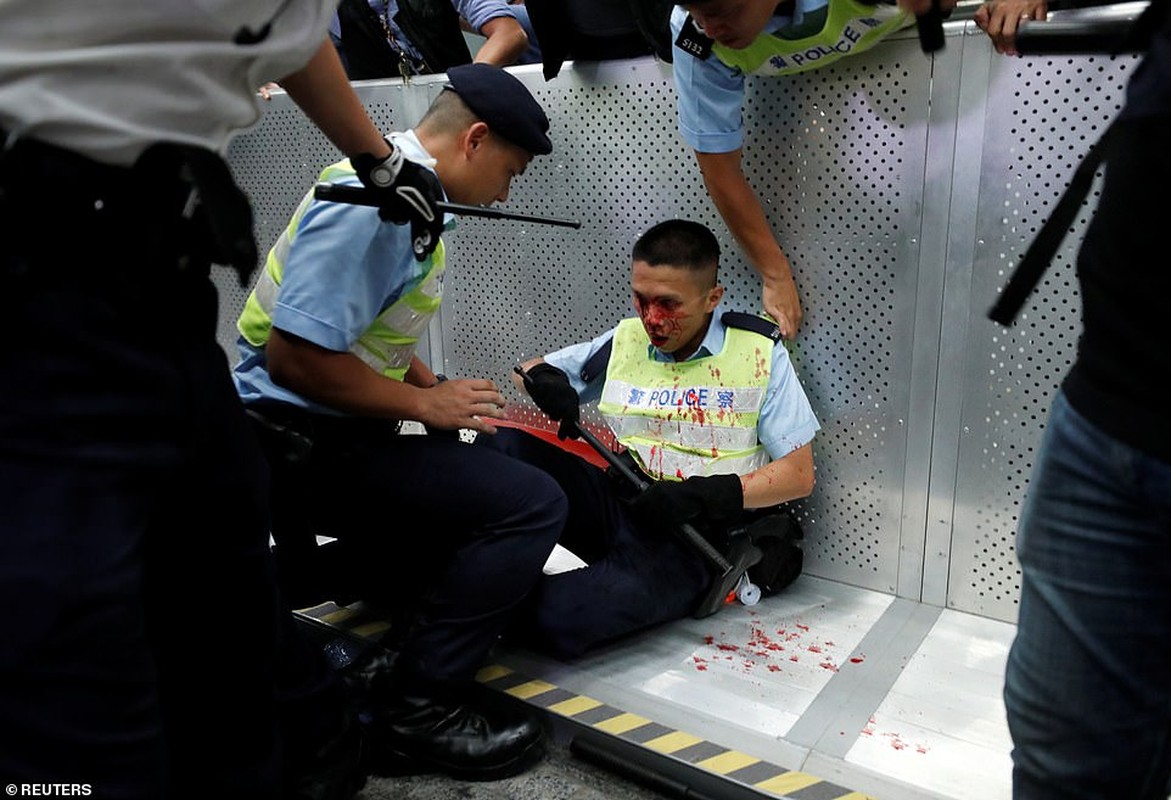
502 101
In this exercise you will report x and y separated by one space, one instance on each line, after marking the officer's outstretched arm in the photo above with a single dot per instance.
344 382
743 214
324 93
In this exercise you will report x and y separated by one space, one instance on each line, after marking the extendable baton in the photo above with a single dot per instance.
693 536
362 196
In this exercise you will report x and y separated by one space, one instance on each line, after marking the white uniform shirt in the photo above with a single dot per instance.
107 78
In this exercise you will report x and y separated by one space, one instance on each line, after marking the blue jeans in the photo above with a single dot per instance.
1088 682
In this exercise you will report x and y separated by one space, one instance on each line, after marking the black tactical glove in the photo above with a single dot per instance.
711 502
549 387
411 193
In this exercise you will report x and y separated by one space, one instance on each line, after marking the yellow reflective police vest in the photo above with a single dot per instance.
850 27
680 419
388 345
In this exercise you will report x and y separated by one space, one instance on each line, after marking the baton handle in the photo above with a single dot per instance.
362 196
930 28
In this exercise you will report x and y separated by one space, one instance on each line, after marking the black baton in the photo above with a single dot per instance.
930 26
361 196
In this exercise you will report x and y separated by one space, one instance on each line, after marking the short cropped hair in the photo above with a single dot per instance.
448 113
678 243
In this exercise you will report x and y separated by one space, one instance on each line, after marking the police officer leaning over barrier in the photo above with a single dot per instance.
718 43
709 409
328 369
131 488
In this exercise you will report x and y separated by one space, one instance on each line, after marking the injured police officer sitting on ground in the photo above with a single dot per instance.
718 44
329 370
711 413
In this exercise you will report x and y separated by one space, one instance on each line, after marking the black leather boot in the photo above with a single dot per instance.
464 733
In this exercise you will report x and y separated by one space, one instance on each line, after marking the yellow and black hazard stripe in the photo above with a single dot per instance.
688 748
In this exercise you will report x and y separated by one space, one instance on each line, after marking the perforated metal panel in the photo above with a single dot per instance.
1042 116
838 158
904 189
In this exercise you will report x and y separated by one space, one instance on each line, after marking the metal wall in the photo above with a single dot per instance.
904 189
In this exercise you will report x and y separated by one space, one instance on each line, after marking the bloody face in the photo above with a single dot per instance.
674 305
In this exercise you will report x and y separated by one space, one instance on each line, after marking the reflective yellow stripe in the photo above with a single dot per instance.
574 706
727 762
662 463
492 672
787 782
622 723
672 742
688 418
255 322
530 689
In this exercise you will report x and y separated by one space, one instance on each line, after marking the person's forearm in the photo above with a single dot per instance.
741 211
788 478
744 216
419 374
506 40
324 93
340 381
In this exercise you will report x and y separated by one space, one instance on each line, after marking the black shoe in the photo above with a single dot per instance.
467 736
336 771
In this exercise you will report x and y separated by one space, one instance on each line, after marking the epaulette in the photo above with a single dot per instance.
751 322
596 363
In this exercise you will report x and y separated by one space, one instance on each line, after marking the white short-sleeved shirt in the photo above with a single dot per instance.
108 78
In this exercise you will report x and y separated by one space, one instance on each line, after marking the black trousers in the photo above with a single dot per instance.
141 624
487 524
636 578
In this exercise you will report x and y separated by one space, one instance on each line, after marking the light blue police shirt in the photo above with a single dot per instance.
710 94
786 420
346 266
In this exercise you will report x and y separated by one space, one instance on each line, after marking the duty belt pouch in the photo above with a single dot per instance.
280 440
433 28
216 222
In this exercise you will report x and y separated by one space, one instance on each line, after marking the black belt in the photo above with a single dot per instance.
178 199
317 429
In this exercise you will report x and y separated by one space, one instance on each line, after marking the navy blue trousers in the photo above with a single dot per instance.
635 577
481 528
